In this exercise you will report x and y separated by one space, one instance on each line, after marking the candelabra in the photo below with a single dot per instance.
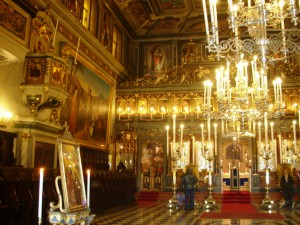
176 155
209 202
267 202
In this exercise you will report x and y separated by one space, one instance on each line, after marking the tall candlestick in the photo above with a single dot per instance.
174 133
54 36
78 43
266 129
167 128
280 148
88 187
174 177
216 145
40 206
294 130
181 136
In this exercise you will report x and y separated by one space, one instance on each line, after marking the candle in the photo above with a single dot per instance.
205 17
294 129
174 131
221 163
216 145
40 204
229 167
266 129
78 43
267 176
209 178
174 177
167 128
181 136
88 187
55 32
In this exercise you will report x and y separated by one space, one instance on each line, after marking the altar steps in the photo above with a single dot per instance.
238 197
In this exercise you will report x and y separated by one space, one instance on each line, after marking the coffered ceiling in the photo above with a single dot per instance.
166 18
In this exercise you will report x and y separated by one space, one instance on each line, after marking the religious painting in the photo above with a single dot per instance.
152 155
36 70
86 111
71 176
14 21
172 4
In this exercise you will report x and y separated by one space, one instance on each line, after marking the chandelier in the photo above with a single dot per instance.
269 26
242 92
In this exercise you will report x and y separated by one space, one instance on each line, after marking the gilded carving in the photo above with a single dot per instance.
42 33
36 69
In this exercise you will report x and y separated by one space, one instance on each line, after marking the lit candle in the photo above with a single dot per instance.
221 163
299 110
174 177
55 32
229 167
216 145
294 130
181 136
205 17
78 43
174 132
266 129
40 206
88 187
280 148
167 128
209 178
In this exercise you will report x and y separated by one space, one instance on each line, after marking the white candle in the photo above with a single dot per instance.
181 137
174 132
294 130
174 177
229 167
221 163
216 145
88 187
266 129
54 36
280 148
78 43
267 176
299 110
40 204
167 128
209 178
205 17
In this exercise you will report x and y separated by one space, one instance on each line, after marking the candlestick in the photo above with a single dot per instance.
167 128
40 204
78 43
216 145
88 187
174 177
54 36
174 132
181 136
294 129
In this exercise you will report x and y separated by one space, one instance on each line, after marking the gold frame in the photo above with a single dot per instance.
12 33
73 187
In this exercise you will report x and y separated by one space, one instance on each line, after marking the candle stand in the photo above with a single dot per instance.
209 203
267 202
173 202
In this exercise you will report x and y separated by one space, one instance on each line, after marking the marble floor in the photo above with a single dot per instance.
158 213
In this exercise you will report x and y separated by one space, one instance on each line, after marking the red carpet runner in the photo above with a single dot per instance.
237 205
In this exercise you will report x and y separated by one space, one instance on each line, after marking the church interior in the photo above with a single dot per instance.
104 105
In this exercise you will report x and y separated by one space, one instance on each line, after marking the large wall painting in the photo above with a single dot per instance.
86 111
